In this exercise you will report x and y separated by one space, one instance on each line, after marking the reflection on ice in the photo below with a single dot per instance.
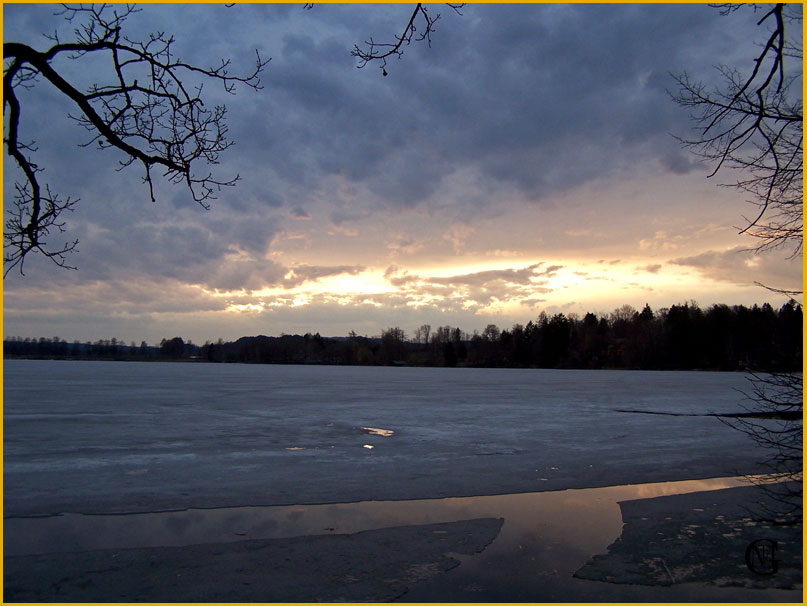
586 520
545 539
378 432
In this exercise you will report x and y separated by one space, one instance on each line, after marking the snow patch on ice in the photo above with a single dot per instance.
375 431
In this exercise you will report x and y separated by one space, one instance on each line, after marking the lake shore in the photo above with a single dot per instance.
658 557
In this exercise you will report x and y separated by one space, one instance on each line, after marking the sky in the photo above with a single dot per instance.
524 162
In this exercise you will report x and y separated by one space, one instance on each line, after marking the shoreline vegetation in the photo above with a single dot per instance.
682 337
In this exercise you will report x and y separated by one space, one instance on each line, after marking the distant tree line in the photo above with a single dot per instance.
102 349
682 337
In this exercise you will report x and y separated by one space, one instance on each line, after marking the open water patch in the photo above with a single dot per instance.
546 537
556 509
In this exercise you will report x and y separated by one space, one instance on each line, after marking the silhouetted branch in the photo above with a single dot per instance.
781 291
419 29
755 124
777 395
144 108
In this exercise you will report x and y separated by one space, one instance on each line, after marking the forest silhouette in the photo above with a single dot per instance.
682 337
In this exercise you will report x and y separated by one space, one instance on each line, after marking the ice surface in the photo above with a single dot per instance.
118 436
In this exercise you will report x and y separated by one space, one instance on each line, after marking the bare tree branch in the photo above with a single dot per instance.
754 124
790 293
775 424
381 51
146 108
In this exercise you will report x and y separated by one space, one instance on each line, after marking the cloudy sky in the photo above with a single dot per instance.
525 162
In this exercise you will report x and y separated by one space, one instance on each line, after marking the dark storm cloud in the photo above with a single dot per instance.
540 96
574 91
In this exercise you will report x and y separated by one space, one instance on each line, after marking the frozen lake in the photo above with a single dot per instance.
306 483
103 437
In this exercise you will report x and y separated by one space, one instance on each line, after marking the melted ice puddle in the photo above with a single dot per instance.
584 519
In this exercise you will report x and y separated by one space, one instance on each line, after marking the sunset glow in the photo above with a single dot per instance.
457 190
